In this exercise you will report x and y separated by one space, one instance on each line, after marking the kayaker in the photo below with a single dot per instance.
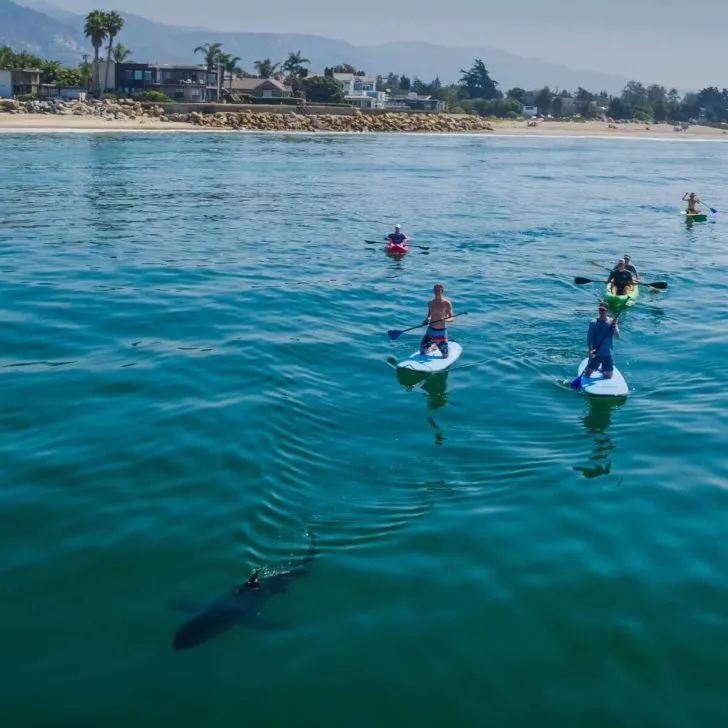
692 200
438 308
397 237
621 279
628 265
599 340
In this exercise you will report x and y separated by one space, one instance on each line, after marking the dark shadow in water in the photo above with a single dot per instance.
597 421
434 386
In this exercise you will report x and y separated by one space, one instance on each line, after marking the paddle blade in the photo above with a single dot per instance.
576 383
713 210
580 281
394 334
372 242
661 285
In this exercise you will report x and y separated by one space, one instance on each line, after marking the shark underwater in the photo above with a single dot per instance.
239 607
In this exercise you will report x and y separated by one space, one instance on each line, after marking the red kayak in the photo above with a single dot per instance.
395 249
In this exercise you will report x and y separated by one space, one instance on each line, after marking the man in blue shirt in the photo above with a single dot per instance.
397 237
599 342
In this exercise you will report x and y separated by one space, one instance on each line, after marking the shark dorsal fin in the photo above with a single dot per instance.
252 582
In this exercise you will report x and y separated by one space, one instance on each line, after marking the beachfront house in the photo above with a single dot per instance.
20 82
530 110
413 102
260 89
360 91
183 83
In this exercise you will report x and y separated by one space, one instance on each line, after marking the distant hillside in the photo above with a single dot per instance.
56 33
37 33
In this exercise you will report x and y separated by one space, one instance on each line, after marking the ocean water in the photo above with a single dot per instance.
194 371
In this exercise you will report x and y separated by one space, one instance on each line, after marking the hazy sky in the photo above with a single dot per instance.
652 40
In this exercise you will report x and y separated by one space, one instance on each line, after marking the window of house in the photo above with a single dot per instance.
137 75
128 75
148 76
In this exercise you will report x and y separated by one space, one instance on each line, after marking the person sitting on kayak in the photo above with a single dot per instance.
629 267
438 309
397 237
621 279
692 200
599 341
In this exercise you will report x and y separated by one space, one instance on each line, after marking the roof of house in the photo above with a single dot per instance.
250 84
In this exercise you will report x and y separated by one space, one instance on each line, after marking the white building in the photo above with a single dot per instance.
530 110
360 91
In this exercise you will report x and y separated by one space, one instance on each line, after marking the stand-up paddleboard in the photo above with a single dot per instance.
597 386
694 216
432 361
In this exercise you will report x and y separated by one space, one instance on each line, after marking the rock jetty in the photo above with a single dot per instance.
293 119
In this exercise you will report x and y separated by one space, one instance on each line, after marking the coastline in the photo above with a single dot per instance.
592 129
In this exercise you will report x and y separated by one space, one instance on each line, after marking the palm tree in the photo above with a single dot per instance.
114 24
232 68
120 53
49 71
212 53
266 68
294 64
95 30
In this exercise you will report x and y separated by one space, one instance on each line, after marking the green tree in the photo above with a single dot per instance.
323 90
121 53
266 68
516 93
69 78
211 52
544 98
49 71
584 105
231 67
294 65
113 22
478 83
95 30
404 83
557 105
347 68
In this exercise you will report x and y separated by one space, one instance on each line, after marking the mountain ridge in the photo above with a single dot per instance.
55 33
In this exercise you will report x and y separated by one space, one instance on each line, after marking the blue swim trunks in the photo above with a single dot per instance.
434 336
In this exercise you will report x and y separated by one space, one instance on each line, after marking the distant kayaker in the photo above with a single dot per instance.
629 267
438 309
599 340
692 200
397 237
621 279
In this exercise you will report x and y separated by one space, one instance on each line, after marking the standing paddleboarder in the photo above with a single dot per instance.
599 340
438 310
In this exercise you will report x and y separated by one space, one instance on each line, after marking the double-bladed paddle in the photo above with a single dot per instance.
414 245
659 285
576 383
394 334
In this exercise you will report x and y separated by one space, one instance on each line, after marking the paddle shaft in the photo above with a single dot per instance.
436 321
414 245
659 285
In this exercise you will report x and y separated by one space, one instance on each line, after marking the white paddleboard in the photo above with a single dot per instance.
432 361
597 386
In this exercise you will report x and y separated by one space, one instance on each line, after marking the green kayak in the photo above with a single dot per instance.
616 302
695 216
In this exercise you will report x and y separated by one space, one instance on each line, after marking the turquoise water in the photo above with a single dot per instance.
194 368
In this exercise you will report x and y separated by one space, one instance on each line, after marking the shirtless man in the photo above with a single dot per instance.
692 200
438 308
621 279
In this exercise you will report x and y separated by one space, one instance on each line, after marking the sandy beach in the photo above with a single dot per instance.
50 122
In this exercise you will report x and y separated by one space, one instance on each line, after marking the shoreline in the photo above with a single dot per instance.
43 123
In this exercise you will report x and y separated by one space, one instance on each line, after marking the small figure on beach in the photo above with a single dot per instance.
621 279
439 312
628 266
397 237
599 341
692 200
